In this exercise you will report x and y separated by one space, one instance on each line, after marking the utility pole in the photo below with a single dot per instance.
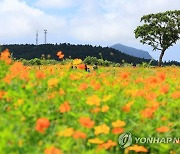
45 32
37 37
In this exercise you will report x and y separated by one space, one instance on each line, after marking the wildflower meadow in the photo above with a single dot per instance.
55 109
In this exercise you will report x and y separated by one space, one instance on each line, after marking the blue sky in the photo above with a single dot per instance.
96 22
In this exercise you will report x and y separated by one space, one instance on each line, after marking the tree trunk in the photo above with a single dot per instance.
161 56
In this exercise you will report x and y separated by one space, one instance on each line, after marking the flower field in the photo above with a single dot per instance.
56 109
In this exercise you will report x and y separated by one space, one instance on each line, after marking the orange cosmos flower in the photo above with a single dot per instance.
176 95
81 66
95 110
137 148
124 75
53 82
127 107
102 129
105 108
163 129
151 96
93 100
42 124
40 75
5 56
164 118
117 130
52 150
66 133
118 123
96 86
83 86
95 141
164 89
65 107
2 93
161 76
86 122
107 145
147 113
60 54
78 134
61 92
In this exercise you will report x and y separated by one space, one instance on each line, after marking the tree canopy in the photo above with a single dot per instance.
160 30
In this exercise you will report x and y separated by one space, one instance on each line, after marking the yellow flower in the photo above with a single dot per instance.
137 148
118 123
67 132
106 98
77 61
53 82
105 108
93 100
102 129
96 141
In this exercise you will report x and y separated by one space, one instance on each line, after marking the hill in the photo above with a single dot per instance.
30 51
132 51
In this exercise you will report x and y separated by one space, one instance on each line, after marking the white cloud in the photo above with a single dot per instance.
54 3
103 22
19 21
109 21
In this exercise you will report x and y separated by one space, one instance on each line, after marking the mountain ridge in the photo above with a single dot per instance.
132 51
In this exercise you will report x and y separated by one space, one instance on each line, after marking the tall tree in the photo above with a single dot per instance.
160 31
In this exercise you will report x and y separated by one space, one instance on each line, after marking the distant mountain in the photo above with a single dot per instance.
132 51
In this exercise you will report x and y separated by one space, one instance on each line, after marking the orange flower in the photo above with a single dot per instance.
164 118
52 150
176 95
60 54
161 76
93 100
102 129
124 75
95 110
65 107
127 107
105 108
5 56
40 75
66 133
2 93
118 123
164 89
147 113
61 92
81 66
117 130
53 82
137 148
83 86
96 86
86 122
96 141
163 129
78 134
42 124
107 145
150 96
